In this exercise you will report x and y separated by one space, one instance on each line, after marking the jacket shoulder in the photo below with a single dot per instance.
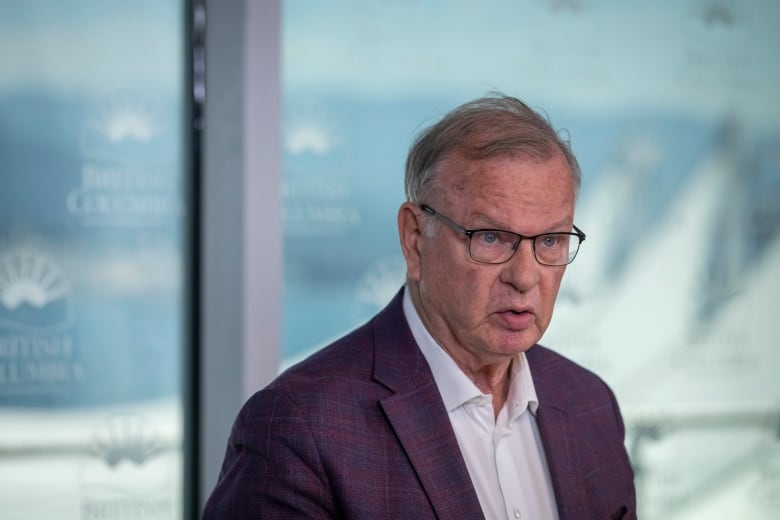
545 362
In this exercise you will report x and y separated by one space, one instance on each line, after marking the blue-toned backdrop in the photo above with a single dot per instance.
673 110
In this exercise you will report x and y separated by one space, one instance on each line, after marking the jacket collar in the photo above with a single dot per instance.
416 413
553 422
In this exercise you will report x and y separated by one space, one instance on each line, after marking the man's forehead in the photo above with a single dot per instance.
458 173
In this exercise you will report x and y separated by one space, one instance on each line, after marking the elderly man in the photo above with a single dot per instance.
444 405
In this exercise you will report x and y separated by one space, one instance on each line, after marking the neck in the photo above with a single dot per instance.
491 376
492 379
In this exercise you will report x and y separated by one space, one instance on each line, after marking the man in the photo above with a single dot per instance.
443 405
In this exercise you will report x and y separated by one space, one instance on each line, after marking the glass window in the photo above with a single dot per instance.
93 259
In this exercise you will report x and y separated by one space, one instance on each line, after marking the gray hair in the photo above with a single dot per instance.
492 126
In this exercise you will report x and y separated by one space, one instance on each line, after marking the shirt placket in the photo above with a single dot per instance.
506 475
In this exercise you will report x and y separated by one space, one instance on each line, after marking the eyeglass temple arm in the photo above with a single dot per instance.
580 233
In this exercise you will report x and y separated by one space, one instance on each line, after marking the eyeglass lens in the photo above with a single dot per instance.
496 246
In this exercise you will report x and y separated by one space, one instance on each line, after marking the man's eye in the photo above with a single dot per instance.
551 240
489 237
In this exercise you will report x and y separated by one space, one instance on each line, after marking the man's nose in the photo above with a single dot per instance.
522 270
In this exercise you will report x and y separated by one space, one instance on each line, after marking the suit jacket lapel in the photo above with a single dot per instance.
558 445
419 419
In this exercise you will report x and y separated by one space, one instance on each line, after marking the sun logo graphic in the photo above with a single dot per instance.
128 124
35 295
128 468
124 122
307 137
309 131
381 281
125 438
124 127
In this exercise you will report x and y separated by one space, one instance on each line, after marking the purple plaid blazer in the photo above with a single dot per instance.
359 431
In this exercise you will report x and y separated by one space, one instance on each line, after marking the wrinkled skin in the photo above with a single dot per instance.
483 315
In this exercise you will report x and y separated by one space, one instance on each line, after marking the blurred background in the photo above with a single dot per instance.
194 195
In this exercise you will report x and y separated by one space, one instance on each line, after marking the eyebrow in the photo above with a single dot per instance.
492 224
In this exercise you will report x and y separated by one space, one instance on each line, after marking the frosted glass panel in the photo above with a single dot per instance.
92 259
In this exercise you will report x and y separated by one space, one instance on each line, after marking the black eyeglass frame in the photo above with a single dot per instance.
470 233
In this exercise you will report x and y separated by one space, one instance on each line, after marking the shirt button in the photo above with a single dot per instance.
517 512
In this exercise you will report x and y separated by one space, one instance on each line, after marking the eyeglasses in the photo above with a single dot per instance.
496 246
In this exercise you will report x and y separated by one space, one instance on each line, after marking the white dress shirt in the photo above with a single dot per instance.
504 454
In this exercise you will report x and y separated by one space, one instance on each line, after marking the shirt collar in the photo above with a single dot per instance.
454 386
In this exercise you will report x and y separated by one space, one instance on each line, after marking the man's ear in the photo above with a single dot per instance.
410 233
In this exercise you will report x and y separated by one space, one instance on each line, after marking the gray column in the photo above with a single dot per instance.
241 226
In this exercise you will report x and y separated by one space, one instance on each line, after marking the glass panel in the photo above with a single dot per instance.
674 113
92 259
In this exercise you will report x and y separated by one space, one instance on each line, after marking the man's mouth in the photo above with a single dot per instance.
517 319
